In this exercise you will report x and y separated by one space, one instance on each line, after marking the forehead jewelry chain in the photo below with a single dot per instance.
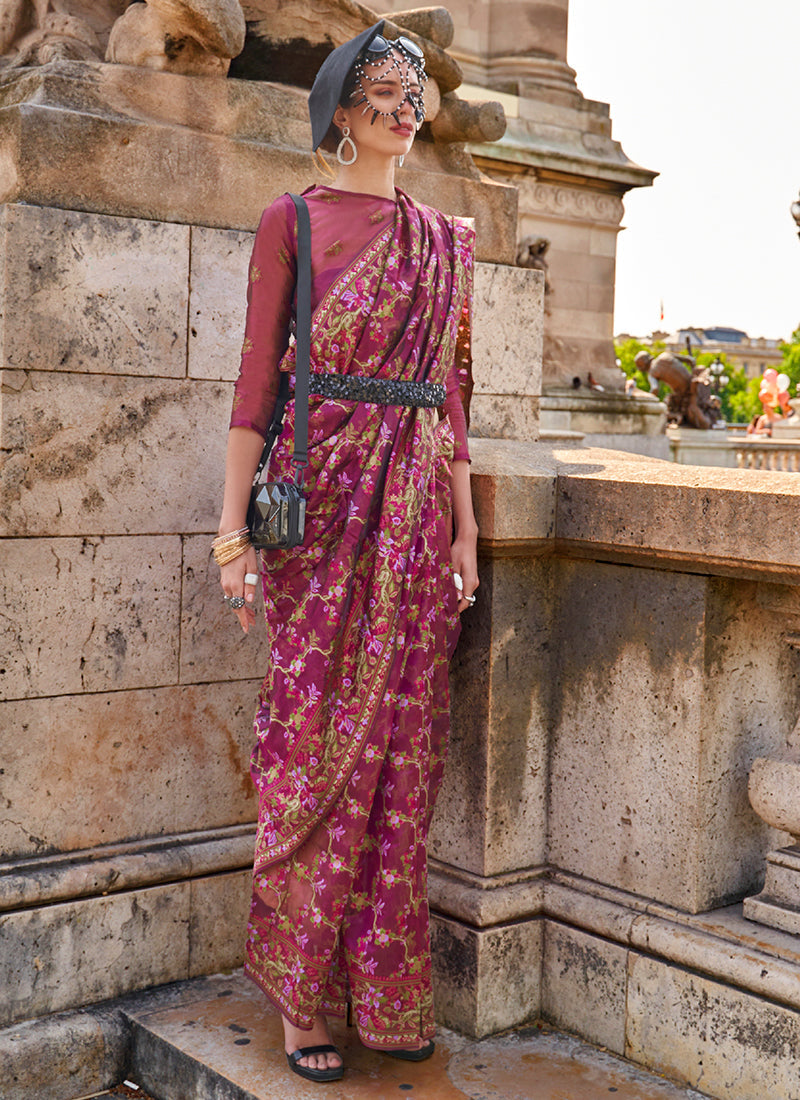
394 63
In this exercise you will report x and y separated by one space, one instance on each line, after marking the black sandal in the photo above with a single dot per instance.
413 1055
333 1073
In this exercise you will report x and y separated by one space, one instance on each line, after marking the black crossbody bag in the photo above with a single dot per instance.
277 513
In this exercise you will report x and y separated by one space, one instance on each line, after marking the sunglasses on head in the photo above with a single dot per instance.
380 46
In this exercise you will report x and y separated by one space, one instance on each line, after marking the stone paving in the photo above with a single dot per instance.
238 1039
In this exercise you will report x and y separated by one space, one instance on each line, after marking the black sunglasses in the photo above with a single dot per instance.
379 46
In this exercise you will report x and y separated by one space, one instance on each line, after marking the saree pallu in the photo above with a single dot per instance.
353 718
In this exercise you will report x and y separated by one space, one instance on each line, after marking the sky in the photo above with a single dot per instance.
707 93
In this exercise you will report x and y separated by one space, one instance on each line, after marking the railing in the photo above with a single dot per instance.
768 454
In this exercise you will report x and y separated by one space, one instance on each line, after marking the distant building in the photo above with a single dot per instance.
753 354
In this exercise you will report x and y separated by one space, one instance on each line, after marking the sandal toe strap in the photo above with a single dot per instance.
303 1052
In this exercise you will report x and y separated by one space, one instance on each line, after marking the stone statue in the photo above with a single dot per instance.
691 403
33 32
194 37
532 253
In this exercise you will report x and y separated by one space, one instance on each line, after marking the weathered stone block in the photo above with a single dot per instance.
86 292
491 815
95 769
730 1044
213 646
486 980
90 614
584 983
507 330
81 952
500 416
63 1056
219 909
88 455
667 690
514 495
624 784
217 301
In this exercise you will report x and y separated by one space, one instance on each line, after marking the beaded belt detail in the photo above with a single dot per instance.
378 391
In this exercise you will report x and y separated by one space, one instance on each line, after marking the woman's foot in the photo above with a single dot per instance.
319 1035
419 1053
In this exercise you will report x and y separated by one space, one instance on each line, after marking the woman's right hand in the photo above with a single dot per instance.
232 580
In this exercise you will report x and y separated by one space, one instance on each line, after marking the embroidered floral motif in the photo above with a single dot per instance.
334 249
247 346
376 217
255 273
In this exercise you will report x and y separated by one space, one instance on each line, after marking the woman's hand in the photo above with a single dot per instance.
464 556
232 579
464 549
244 451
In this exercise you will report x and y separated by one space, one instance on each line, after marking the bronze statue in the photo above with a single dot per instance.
691 403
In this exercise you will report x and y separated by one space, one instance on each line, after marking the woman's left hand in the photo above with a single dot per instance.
464 557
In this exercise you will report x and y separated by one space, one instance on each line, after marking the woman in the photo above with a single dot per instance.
362 618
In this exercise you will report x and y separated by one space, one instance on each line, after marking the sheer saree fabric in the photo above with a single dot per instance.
353 716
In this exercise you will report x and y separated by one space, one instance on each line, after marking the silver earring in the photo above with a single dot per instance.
401 160
346 140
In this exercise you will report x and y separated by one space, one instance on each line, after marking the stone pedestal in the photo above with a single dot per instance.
603 416
774 790
778 904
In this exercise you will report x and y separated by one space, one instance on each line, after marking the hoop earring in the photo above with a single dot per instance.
346 140
401 160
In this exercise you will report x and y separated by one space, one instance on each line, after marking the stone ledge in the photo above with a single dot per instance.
115 868
608 506
482 901
720 944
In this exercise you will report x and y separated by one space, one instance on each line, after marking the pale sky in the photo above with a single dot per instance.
706 92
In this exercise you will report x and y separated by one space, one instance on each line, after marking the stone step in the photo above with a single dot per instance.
220 1040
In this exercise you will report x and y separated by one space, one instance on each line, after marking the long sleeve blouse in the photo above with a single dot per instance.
343 223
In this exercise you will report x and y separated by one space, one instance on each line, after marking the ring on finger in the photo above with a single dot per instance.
251 578
470 599
234 602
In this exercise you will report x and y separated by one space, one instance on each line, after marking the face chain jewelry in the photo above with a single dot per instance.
406 58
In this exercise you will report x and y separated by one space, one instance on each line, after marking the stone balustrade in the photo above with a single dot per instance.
767 454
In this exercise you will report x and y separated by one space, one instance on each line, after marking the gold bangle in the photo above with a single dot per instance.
220 540
229 557
231 550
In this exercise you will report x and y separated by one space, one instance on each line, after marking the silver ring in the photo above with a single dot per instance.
470 599
251 578
234 602
458 582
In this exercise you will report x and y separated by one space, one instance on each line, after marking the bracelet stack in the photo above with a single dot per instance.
227 547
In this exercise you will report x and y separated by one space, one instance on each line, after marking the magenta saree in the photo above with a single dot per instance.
353 718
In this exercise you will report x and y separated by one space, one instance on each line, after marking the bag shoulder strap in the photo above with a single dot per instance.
303 334
303 355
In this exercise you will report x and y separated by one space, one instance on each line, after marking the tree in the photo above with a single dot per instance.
791 360
627 352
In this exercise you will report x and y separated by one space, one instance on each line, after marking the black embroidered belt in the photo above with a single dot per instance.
378 391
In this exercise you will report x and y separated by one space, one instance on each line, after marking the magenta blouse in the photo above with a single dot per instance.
340 232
